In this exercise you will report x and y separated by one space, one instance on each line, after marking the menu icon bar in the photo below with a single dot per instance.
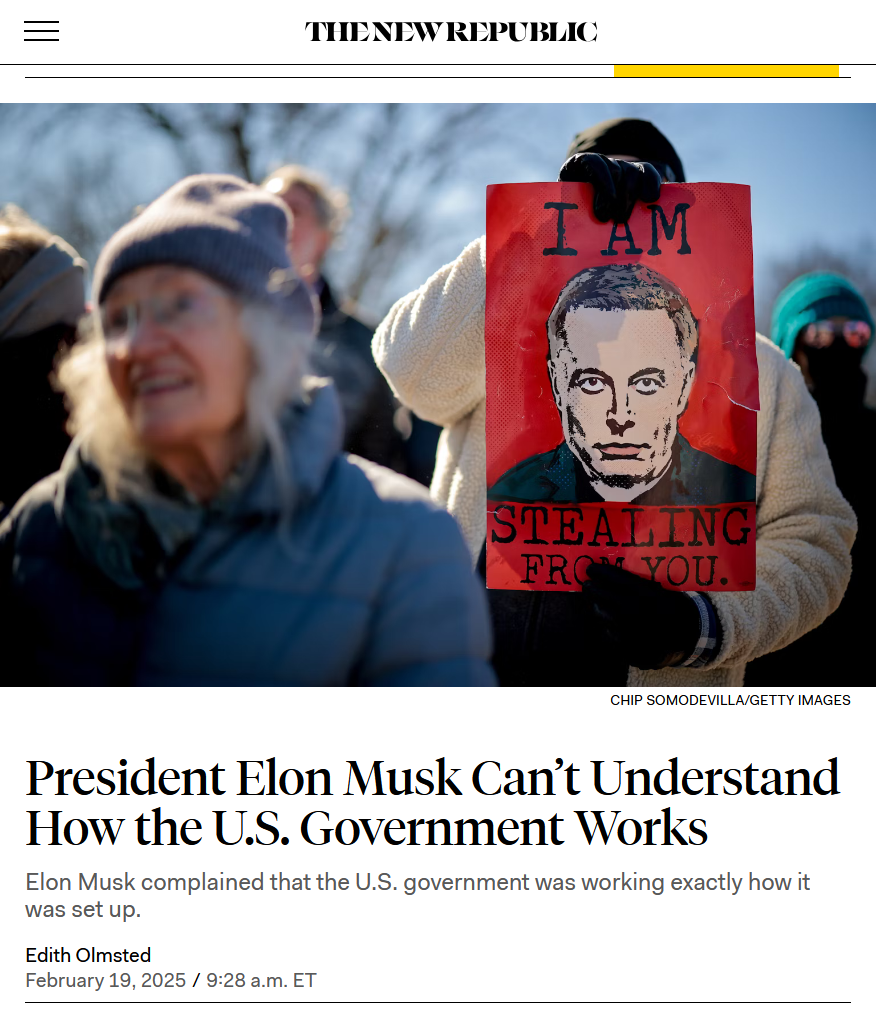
42 31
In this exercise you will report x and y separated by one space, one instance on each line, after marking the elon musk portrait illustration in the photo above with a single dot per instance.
622 352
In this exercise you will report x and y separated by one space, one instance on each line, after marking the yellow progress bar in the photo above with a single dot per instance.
726 70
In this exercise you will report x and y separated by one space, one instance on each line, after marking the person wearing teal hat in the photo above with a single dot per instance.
823 324
819 295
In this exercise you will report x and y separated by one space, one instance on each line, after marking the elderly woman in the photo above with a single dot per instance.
204 528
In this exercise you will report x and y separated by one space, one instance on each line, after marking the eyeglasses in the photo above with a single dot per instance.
175 312
821 334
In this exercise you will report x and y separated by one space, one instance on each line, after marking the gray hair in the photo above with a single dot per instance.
331 204
280 353
21 238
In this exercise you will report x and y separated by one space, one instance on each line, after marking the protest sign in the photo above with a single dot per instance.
621 388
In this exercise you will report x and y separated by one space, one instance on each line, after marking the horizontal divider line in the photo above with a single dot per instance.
607 65
317 77
369 65
400 77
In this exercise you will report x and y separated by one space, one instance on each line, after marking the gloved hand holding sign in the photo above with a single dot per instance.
617 183
649 625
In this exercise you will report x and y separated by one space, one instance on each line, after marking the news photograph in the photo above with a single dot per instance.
436 395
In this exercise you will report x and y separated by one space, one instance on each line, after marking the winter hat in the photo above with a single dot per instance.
814 297
630 137
226 228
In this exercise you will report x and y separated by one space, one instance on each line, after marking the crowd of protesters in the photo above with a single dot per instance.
212 481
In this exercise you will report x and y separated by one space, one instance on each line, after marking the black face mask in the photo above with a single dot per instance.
837 375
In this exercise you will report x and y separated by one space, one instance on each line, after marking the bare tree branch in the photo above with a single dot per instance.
394 160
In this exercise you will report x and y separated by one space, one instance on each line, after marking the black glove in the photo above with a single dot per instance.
617 184
650 626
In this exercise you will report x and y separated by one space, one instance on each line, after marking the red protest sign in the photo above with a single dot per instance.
621 388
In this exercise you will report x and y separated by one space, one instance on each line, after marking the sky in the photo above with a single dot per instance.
809 168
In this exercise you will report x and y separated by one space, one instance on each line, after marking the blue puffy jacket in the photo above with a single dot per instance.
366 582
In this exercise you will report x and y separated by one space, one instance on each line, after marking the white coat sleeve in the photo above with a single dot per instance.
431 344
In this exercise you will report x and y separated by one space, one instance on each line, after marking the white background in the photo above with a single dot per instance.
630 950
274 34
511 947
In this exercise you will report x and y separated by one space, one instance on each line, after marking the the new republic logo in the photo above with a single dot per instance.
451 31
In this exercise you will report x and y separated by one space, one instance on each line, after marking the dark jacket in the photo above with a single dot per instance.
543 638
557 476
343 353
846 430
39 308
32 413
365 582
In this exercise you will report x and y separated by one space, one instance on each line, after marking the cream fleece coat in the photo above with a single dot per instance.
431 348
